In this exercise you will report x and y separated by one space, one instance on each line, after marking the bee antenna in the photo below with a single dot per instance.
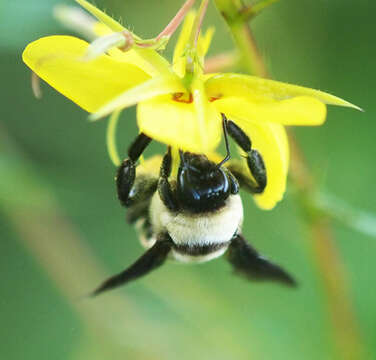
224 126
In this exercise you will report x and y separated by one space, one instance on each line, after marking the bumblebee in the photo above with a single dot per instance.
196 216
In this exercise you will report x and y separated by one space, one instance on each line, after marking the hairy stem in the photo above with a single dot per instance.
178 18
198 23
251 59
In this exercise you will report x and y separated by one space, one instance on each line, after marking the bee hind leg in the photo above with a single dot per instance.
150 260
247 262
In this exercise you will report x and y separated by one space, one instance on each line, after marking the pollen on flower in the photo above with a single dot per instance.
183 97
187 98
214 98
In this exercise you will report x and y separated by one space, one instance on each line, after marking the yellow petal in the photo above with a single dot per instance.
301 110
57 60
179 59
272 143
133 57
202 109
203 43
259 89
175 123
156 86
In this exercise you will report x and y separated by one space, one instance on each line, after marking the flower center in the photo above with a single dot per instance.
187 98
213 98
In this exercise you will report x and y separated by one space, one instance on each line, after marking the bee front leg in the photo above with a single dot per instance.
126 173
255 161
165 191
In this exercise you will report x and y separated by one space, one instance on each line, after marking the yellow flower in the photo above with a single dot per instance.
179 107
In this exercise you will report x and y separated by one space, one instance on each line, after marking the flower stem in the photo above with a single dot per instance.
175 22
198 23
334 278
192 43
251 59
251 11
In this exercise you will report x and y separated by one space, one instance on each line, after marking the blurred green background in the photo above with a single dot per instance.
63 230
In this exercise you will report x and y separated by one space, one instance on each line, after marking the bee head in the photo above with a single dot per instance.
202 185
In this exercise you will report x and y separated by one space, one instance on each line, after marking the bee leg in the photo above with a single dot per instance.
126 173
150 260
234 183
140 195
166 193
254 160
249 263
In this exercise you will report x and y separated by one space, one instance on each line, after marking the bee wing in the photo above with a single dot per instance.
249 263
150 260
